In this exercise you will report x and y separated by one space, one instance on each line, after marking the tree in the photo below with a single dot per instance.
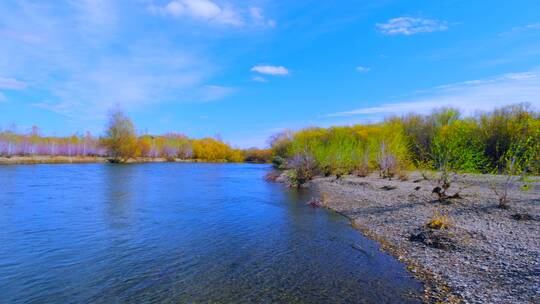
121 139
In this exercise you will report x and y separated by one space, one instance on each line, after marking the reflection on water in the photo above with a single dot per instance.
120 193
180 233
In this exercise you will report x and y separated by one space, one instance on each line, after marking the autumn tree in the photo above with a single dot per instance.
121 139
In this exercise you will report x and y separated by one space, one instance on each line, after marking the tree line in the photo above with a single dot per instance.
443 140
121 143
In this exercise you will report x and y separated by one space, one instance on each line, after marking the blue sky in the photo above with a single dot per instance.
248 69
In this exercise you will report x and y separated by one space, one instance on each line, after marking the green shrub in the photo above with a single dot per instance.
442 140
280 144
391 146
458 147
504 126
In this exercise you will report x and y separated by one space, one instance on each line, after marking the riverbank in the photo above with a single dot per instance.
27 160
21 160
486 255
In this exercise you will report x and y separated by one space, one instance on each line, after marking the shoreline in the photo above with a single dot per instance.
35 160
487 255
38 159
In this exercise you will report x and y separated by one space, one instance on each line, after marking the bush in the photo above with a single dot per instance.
210 149
254 155
337 151
386 162
303 169
280 143
392 148
353 150
279 162
363 168
420 131
517 159
457 147
439 221
234 156
504 126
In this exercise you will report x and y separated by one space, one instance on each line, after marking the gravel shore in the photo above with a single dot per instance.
486 255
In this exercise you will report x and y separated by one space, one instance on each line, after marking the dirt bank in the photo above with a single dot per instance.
487 255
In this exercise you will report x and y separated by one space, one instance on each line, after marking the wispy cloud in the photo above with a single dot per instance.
11 84
363 69
533 26
469 96
271 70
204 10
521 29
95 15
259 79
145 77
213 12
411 25
77 56
257 15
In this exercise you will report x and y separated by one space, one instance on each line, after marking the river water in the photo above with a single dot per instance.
180 233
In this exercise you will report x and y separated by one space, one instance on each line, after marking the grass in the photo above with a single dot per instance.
439 221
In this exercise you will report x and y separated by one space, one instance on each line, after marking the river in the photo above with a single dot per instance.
182 233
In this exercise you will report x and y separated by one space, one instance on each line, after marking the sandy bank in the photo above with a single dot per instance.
488 255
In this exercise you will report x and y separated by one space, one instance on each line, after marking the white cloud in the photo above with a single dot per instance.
468 96
410 26
270 70
11 84
363 69
259 79
204 10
